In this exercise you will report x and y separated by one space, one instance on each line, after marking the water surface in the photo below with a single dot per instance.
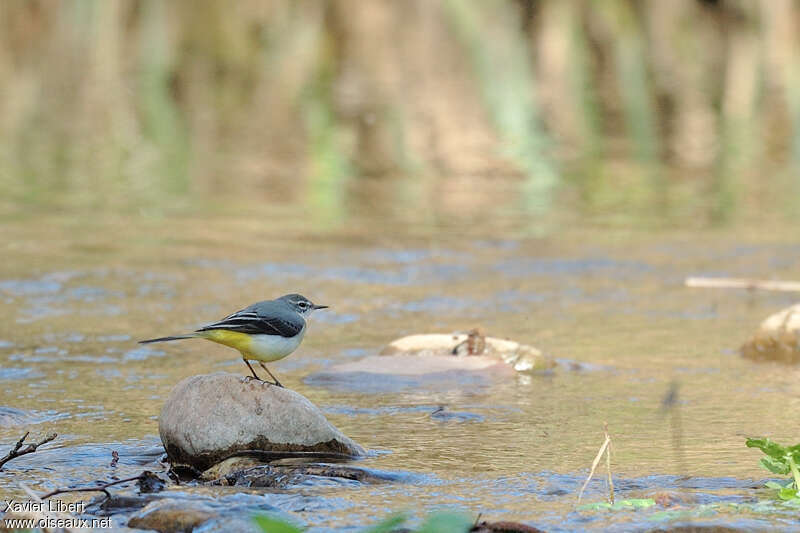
77 291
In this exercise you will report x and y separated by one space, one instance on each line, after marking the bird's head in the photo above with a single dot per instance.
301 304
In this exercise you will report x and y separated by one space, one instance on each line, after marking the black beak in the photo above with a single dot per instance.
319 307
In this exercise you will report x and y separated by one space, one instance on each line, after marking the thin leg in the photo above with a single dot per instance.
278 383
251 369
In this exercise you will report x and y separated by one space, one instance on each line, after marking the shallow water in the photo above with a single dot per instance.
77 291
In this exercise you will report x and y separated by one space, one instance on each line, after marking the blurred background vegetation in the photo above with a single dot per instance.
683 109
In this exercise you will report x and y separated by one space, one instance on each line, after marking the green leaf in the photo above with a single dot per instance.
795 502
776 466
633 503
446 522
388 525
773 449
794 470
270 524
773 485
787 493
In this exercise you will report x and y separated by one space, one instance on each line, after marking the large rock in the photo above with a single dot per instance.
777 338
211 417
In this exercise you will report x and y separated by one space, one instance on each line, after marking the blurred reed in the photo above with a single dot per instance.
685 107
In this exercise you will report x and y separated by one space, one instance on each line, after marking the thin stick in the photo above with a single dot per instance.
96 488
18 450
596 462
743 283
43 514
608 465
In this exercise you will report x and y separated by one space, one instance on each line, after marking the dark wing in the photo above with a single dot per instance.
253 322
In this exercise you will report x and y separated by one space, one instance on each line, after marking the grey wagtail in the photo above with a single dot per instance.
265 331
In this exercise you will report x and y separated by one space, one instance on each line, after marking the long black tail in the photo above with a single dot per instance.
164 339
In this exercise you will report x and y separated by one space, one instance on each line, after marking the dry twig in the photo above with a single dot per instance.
18 450
605 448
608 465
99 488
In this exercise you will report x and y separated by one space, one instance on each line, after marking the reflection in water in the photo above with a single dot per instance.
657 112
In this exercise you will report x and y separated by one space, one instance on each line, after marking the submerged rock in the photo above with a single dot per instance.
777 338
278 476
442 361
503 527
172 516
520 357
209 418
229 466
378 374
227 523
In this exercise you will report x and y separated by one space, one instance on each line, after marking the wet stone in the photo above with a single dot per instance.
777 338
169 516
521 357
245 474
119 503
503 527
150 482
264 476
209 418
229 466
673 499
227 524
442 361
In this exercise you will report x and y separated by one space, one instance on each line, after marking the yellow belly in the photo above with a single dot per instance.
241 341
265 348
